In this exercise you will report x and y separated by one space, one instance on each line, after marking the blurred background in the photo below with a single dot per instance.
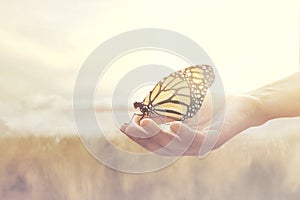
44 44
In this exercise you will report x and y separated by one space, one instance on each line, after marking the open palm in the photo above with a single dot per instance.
187 137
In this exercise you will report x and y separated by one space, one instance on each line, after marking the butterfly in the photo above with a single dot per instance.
178 96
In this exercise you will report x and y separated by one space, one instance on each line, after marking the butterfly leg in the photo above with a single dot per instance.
143 115
136 114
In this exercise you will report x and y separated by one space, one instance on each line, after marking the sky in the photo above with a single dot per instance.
44 44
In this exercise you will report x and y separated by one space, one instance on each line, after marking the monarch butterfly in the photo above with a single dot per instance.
178 96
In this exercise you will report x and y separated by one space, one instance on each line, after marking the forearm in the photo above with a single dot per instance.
279 99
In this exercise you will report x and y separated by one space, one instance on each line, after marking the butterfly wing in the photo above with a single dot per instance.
180 95
172 99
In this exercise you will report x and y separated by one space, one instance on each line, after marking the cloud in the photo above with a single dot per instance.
37 114
45 102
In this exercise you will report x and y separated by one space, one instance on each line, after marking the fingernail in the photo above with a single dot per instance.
145 122
123 127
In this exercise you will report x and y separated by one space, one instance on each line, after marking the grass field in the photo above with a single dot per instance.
60 168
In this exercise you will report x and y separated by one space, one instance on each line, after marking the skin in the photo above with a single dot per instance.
242 111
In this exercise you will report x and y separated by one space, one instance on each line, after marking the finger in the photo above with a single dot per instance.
182 131
160 143
136 131
150 126
141 137
158 135
135 134
123 127
169 148
146 143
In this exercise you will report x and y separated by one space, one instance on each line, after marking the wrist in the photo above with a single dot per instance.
260 112
247 111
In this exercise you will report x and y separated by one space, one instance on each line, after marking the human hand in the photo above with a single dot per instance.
187 137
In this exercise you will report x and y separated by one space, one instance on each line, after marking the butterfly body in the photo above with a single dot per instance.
145 109
178 96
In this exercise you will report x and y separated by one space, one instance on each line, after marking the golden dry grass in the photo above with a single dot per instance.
47 168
